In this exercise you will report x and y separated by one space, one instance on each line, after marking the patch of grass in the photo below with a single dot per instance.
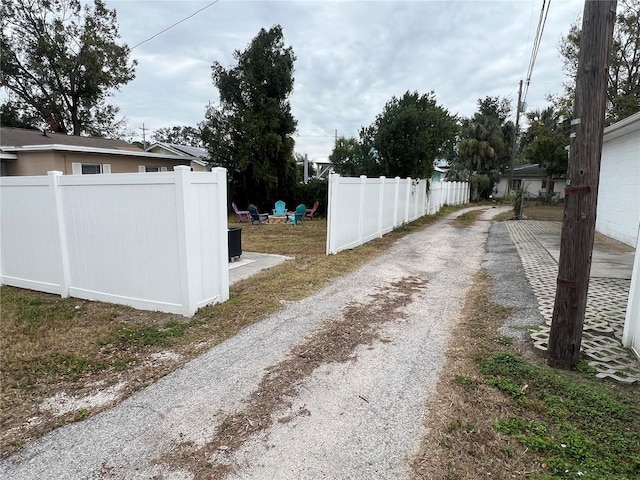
34 313
580 424
467 218
534 210
144 335
501 217
466 382
61 366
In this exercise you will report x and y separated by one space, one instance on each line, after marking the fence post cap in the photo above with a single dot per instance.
55 172
182 167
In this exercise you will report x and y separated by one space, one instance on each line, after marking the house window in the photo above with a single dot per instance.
516 184
91 168
148 168
78 168
544 184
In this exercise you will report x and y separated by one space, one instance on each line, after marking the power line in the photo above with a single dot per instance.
175 24
544 11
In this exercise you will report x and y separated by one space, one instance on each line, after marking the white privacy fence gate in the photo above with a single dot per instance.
155 241
361 209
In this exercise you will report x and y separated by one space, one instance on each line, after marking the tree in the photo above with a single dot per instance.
623 89
180 135
409 134
250 132
61 61
484 146
350 158
11 116
548 137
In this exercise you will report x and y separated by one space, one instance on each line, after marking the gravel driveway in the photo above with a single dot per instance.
342 378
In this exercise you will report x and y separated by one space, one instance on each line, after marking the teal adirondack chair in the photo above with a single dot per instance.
281 209
296 216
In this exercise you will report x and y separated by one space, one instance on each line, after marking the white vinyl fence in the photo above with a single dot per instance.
155 241
362 209
446 193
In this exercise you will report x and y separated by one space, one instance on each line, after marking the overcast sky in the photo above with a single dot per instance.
352 57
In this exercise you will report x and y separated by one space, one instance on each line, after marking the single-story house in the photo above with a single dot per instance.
33 152
197 155
535 180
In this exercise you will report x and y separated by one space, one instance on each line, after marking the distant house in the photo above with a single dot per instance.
439 174
198 156
323 168
33 152
534 179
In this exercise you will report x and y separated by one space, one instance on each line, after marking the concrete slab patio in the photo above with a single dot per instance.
251 263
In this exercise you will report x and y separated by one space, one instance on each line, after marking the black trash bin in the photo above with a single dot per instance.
235 243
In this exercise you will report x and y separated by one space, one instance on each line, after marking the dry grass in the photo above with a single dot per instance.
52 346
537 211
461 443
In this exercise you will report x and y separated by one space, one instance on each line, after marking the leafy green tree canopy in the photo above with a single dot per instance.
179 135
61 61
350 158
410 133
484 143
548 134
251 131
484 146
623 90
12 116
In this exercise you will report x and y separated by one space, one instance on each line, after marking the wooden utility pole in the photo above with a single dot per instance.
144 136
581 192
514 146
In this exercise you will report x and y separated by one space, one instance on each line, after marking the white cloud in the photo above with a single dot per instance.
352 56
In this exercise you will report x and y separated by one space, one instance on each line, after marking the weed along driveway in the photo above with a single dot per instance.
332 386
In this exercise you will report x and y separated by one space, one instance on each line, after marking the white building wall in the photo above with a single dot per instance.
618 213
534 187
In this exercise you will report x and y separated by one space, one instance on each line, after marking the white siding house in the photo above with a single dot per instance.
534 180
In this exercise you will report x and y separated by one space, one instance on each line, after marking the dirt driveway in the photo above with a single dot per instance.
333 386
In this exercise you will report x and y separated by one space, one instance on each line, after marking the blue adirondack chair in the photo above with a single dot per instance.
281 209
296 217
